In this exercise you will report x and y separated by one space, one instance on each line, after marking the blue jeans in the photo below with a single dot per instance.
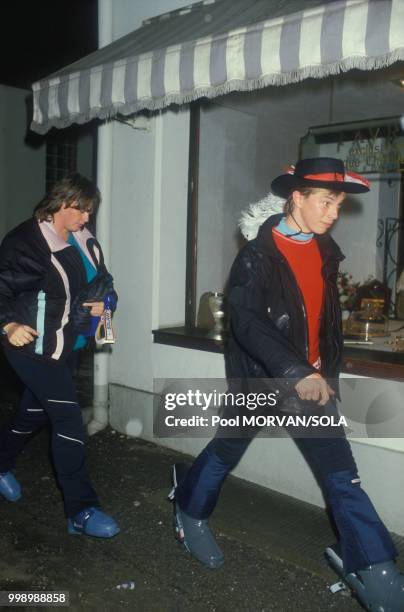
364 539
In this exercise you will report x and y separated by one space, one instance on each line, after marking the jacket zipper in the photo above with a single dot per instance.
306 332
321 331
336 345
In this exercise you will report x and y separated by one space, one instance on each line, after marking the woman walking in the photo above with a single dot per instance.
52 278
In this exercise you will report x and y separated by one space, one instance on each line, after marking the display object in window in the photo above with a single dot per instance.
212 314
217 308
374 290
369 322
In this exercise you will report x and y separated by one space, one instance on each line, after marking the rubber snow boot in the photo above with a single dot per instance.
10 487
379 587
92 522
193 533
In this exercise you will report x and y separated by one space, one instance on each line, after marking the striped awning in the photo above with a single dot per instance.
219 46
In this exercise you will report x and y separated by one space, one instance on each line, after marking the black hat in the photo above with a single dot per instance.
324 172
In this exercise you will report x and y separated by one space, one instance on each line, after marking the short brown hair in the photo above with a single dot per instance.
289 205
68 190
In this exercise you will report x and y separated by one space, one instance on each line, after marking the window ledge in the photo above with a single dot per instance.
190 337
356 360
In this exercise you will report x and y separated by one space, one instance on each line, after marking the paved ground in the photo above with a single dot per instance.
273 544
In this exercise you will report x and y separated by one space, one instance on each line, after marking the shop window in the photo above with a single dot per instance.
240 141
370 229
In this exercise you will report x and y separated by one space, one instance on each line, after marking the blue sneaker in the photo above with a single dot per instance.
9 487
92 522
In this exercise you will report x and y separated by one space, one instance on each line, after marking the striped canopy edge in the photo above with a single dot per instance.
332 38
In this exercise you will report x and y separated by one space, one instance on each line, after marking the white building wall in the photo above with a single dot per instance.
149 178
149 198
132 254
22 163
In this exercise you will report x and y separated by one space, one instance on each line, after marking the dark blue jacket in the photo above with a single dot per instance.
40 277
269 334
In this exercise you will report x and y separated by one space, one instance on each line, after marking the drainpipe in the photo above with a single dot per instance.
100 417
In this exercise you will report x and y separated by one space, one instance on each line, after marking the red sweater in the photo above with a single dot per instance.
305 261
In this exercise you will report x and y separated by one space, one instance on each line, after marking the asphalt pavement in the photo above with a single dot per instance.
273 544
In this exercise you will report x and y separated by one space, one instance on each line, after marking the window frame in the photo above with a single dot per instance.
192 216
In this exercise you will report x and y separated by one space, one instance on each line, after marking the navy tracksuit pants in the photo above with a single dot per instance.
364 539
50 395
